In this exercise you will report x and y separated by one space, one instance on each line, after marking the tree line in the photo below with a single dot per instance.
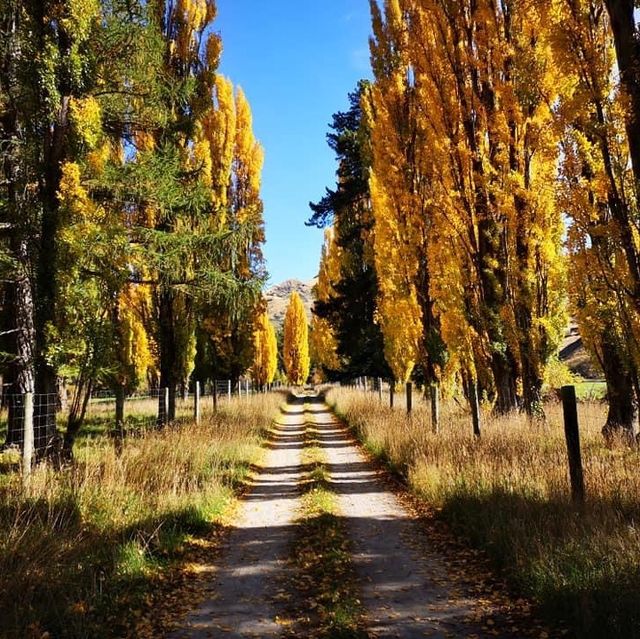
488 188
130 210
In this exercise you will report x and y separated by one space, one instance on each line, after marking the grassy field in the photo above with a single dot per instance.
82 548
508 494
590 390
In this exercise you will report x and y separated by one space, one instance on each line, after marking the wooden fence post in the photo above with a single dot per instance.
119 427
196 403
215 395
475 407
28 438
434 393
165 405
409 397
380 388
572 435
229 389
392 392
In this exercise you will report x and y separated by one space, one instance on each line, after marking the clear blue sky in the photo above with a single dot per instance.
296 60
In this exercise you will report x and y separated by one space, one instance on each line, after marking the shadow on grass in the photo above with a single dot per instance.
565 556
72 578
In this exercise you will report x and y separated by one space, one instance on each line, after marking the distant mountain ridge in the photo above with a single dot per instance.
278 297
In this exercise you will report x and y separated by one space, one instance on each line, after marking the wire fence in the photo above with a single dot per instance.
31 420
155 406
406 396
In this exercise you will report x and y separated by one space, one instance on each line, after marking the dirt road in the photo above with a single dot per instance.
403 584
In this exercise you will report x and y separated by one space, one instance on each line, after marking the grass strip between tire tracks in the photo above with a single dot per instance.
328 605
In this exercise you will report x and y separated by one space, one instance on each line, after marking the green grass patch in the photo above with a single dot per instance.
591 390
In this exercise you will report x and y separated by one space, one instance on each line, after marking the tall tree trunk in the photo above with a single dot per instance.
19 309
433 349
620 387
20 374
627 43
54 152
77 412
530 366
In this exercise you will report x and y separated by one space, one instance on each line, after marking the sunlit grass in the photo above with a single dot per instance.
508 492
82 544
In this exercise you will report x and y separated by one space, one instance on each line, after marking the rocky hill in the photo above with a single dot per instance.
278 297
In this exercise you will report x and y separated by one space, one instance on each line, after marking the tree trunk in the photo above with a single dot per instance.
19 307
505 384
77 414
471 388
434 393
47 282
21 374
620 388
627 44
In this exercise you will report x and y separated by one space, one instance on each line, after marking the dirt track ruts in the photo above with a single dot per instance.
404 586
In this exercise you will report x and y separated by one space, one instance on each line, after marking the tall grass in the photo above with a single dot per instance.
508 493
80 547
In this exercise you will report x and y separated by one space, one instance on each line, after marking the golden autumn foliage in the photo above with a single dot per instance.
236 161
265 357
467 231
296 341
597 192
323 343
135 356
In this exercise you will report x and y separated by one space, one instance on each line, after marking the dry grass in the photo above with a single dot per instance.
508 493
82 545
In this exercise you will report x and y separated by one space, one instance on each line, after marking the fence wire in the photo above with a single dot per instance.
45 411
142 410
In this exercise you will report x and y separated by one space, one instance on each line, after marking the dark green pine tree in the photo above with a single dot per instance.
351 311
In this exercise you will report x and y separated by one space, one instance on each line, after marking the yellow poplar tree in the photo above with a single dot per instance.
395 235
463 177
236 163
322 340
597 191
265 344
296 341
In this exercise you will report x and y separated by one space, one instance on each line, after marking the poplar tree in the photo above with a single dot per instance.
237 161
296 341
265 345
57 86
597 192
400 190
462 105
323 343
129 212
